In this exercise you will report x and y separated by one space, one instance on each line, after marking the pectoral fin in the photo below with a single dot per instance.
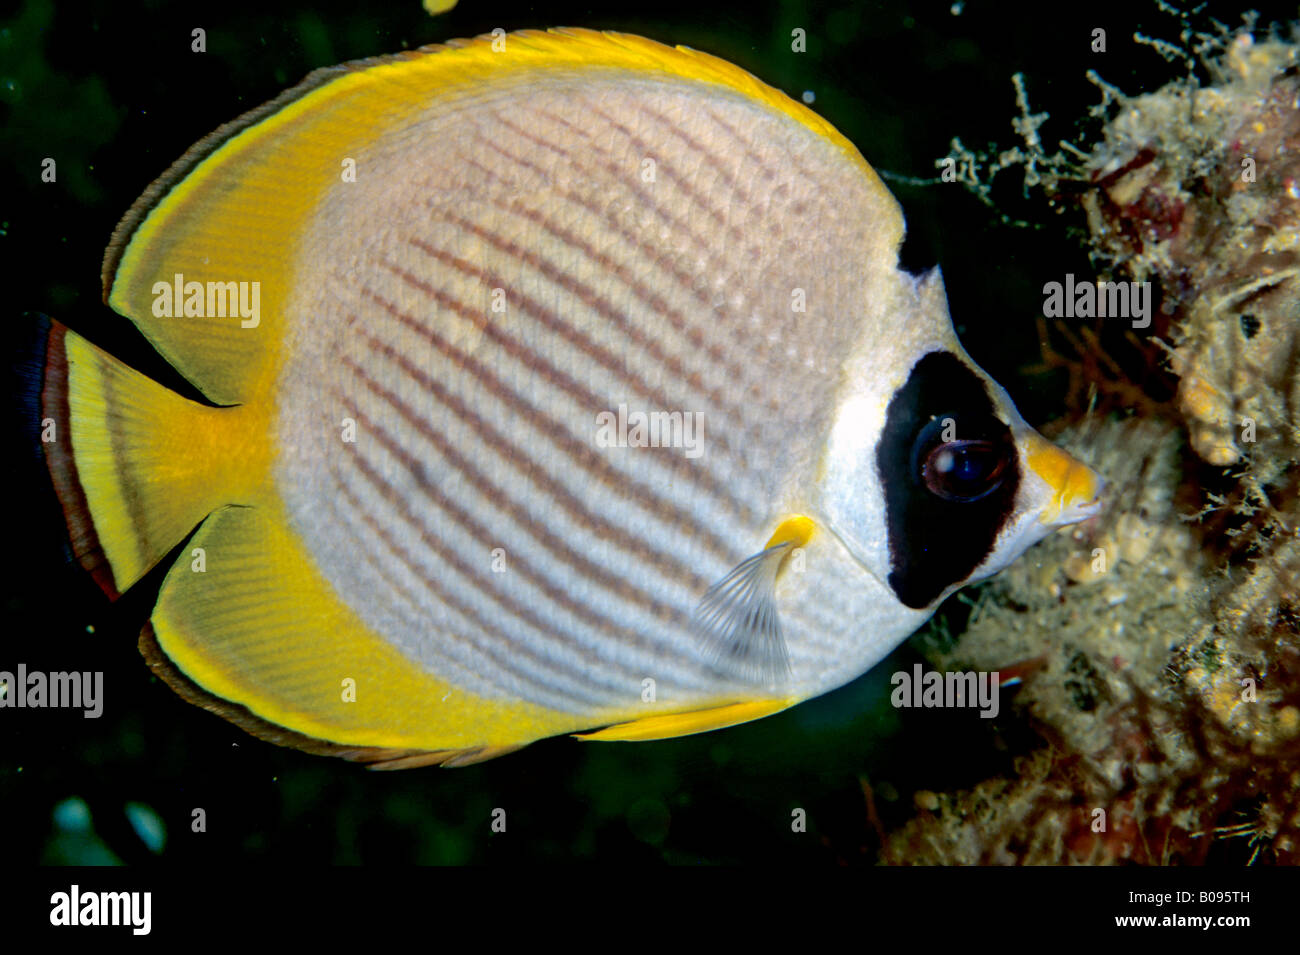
737 621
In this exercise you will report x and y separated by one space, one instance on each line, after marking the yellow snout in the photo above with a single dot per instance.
1076 488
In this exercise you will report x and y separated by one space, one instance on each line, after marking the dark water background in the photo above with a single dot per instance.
113 92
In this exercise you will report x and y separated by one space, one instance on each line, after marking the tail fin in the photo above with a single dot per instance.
135 465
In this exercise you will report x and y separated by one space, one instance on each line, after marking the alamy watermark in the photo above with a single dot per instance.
39 690
1071 299
956 689
179 298
651 429
75 907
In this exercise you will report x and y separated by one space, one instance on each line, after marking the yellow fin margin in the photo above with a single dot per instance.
671 725
152 463
260 629
231 209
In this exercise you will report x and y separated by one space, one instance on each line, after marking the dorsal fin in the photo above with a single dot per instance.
233 207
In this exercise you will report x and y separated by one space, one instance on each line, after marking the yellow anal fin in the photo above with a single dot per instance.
256 635
374 757
671 725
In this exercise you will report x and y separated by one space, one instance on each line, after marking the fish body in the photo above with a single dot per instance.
556 382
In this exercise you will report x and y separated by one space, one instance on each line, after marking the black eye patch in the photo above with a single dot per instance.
950 473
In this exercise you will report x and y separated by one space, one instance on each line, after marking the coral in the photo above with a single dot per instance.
1153 747
1199 188
1165 633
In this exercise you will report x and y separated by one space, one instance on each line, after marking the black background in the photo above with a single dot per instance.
113 92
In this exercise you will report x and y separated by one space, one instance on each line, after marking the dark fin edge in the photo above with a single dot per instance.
375 757
61 462
191 158
205 147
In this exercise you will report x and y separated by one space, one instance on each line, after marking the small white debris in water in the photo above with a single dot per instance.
148 825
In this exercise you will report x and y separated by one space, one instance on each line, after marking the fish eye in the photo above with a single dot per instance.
961 469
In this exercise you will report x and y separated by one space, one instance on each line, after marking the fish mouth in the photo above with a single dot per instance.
1076 489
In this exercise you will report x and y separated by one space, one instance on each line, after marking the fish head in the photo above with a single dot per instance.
1055 489
932 479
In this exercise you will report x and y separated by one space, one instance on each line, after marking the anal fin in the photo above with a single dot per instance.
670 725
258 637
374 757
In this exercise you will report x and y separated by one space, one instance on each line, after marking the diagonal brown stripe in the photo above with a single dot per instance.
714 162
719 352
665 562
519 660
698 199
603 307
700 475
477 530
555 323
614 316
581 453
623 589
801 169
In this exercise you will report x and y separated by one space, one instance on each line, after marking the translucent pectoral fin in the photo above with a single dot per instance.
737 622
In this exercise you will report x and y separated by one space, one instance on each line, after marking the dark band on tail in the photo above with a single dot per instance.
62 465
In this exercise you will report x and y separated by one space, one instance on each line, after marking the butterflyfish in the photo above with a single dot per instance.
553 383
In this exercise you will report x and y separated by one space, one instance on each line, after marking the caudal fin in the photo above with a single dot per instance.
135 465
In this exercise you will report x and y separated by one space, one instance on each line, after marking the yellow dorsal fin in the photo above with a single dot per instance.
671 725
232 209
